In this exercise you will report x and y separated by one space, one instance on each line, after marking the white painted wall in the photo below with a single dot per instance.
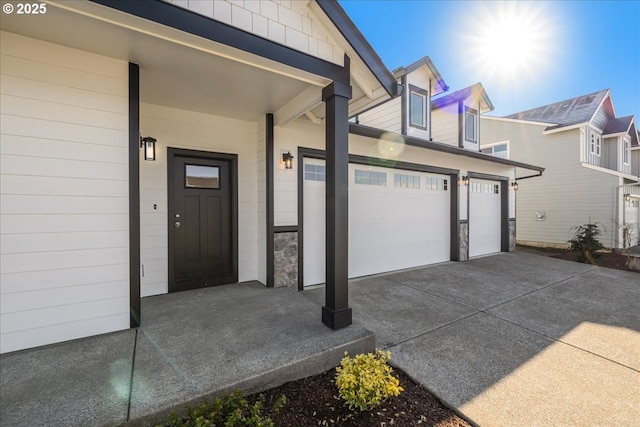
64 259
306 134
445 124
185 129
288 22
386 116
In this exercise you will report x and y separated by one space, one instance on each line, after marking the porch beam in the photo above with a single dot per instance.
336 312
299 105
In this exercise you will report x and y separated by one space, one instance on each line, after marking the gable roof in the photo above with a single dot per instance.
425 61
618 125
476 90
565 113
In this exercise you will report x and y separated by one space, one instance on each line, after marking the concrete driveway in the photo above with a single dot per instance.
514 339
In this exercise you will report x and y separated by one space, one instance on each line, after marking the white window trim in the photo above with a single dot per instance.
424 94
626 151
506 142
474 113
595 145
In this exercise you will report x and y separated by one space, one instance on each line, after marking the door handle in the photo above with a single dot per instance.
178 224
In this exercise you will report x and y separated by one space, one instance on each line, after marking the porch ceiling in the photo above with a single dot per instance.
176 69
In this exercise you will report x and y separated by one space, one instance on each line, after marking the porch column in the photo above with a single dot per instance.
336 312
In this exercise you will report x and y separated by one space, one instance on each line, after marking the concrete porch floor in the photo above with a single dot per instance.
191 345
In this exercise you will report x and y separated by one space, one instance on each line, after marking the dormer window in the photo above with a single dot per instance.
471 125
596 143
418 99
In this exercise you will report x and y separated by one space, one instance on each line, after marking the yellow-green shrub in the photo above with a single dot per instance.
365 381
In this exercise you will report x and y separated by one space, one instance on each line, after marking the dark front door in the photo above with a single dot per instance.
202 219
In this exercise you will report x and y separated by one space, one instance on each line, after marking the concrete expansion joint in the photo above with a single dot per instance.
561 342
461 304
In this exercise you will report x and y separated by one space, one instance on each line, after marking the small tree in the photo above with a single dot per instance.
627 236
585 239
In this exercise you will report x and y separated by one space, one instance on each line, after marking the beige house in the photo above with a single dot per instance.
592 168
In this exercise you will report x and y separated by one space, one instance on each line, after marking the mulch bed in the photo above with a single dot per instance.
314 401
615 260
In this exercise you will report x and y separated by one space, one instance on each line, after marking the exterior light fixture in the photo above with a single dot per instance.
287 159
465 180
514 185
149 145
627 197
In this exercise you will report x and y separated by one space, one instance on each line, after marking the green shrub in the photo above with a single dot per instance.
232 410
366 380
585 240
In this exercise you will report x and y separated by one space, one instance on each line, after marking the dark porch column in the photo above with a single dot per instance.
336 312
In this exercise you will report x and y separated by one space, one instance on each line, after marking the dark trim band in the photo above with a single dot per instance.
270 214
193 23
134 195
285 229
371 132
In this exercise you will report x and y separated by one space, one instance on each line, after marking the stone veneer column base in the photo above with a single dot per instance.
463 239
512 235
285 259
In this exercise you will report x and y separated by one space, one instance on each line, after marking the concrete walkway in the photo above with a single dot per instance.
191 345
513 339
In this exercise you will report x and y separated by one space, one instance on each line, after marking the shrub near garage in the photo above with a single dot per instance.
366 380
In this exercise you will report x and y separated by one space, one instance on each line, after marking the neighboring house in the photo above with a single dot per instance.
224 94
591 165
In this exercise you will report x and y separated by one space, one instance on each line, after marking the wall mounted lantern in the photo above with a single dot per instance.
465 180
514 185
627 197
149 145
287 159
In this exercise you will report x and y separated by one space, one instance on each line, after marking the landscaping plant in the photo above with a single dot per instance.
585 240
366 380
232 410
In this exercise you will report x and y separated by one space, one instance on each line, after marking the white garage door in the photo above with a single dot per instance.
397 219
632 217
484 217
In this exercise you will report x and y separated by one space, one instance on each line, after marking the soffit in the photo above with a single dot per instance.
176 69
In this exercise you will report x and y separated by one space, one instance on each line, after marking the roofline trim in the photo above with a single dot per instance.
356 39
371 132
549 131
527 122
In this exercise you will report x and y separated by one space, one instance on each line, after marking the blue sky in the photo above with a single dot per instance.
569 48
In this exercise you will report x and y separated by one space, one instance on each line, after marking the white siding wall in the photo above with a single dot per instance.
64 263
568 193
301 133
185 129
288 22
445 124
386 116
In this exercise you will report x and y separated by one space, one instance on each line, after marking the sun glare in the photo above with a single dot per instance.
509 40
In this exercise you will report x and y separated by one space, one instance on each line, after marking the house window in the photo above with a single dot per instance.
314 172
596 143
475 187
470 125
197 176
418 107
406 181
436 184
371 177
498 150
625 152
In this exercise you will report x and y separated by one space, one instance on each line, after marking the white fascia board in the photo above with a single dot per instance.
526 122
610 172
576 126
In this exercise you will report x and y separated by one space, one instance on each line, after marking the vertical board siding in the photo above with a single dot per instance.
197 131
64 254
568 193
